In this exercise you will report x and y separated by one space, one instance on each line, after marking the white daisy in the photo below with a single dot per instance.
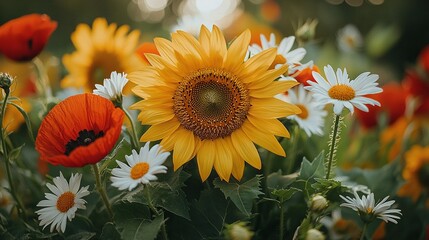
63 203
141 167
367 209
342 92
349 38
112 87
284 54
312 116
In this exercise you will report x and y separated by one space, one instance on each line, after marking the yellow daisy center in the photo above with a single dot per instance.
139 170
212 103
304 111
278 60
65 201
342 92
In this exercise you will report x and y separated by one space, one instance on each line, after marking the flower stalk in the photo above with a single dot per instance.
158 213
133 133
20 207
101 190
334 139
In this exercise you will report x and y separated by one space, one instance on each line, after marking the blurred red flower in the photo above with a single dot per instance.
417 87
392 101
146 47
78 131
23 38
424 59
307 74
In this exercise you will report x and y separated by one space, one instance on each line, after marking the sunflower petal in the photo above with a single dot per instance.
159 131
245 148
206 158
267 141
183 148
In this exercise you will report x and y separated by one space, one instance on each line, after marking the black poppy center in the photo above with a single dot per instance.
84 139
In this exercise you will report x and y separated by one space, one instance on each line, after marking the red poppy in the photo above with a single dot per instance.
392 101
78 131
417 87
146 47
23 38
307 74
424 59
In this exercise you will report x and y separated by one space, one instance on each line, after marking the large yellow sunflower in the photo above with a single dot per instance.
416 172
203 100
99 51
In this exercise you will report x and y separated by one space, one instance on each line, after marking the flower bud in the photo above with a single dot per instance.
318 203
314 234
5 81
238 231
307 31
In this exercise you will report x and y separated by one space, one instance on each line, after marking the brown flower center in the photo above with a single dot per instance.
304 111
342 92
212 103
139 170
65 202
84 139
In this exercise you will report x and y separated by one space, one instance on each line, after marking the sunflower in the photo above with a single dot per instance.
202 100
78 131
416 172
100 51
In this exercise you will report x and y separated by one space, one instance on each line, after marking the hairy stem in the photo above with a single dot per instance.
333 144
101 190
133 133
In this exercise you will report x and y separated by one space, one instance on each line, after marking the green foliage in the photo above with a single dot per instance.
242 195
314 169
109 232
167 195
284 194
141 228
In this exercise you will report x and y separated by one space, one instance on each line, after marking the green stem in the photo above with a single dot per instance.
21 210
133 134
362 237
158 213
101 190
292 157
333 145
282 220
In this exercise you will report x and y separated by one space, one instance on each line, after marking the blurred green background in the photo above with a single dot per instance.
409 19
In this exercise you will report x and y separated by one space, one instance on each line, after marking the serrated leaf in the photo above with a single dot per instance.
141 228
110 232
315 169
81 236
242 195
210 213
167 195
276 180
284 194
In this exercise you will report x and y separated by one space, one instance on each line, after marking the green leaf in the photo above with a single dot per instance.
284 194
210 213
242 195
81 236
14 154
167 195
276 180
315 169
118 153
27 120
110 232
141 228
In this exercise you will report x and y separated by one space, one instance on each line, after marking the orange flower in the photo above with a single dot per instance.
78 131
416 172
392 100
23 38
307 74
146 47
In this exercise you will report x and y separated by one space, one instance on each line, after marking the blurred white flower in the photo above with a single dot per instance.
349 38
311 119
